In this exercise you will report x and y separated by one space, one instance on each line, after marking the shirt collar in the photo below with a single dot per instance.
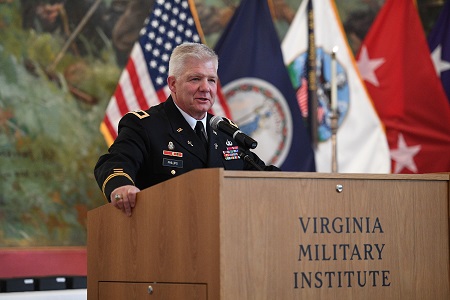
192 121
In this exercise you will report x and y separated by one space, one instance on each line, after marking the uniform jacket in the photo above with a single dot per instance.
158 144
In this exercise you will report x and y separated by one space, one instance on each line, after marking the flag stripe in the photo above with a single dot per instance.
106 128
128 91
144 77
121 100
302 97
223 108
161 95
135 84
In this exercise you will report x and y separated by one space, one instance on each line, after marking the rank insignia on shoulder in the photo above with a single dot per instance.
140 114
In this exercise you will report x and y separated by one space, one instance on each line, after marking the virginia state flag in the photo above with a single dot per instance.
361 141
439 42
395 63
258 90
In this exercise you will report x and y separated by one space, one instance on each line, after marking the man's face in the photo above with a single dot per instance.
195 90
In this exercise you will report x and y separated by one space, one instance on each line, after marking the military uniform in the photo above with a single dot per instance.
158 144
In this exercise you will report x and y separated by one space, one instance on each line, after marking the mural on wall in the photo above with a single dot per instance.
53 96
59 65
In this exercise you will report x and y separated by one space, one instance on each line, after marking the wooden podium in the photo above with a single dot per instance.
215 234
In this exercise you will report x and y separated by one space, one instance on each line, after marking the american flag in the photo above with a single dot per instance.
302 97
143 81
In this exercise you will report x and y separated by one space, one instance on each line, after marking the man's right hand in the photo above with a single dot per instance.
124 198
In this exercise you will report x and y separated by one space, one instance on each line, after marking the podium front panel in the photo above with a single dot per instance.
276 235
334 238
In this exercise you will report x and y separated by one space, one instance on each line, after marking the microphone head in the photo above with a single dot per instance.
214 122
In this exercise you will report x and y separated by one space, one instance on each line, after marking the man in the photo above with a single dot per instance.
160 143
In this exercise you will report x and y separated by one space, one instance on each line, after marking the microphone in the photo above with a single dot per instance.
218 123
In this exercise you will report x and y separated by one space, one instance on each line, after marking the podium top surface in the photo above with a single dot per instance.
315 175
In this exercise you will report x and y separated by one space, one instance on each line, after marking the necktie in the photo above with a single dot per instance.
199 129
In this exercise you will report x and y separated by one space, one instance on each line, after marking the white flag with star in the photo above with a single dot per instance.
361 141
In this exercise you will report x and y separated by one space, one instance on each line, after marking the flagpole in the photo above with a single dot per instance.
312 78
334 111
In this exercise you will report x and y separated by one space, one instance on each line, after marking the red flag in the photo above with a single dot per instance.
143 81
395 63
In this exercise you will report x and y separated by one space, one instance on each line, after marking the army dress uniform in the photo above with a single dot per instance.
158 144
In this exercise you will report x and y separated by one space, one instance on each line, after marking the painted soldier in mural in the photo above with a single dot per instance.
63 17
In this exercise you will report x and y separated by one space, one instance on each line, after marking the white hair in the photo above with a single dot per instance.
185 51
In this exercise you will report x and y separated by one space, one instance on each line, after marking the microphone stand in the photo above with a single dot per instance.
243 155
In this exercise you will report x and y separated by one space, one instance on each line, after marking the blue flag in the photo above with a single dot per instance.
439 42
258 89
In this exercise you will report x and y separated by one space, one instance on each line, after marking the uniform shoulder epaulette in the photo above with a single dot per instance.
141 114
